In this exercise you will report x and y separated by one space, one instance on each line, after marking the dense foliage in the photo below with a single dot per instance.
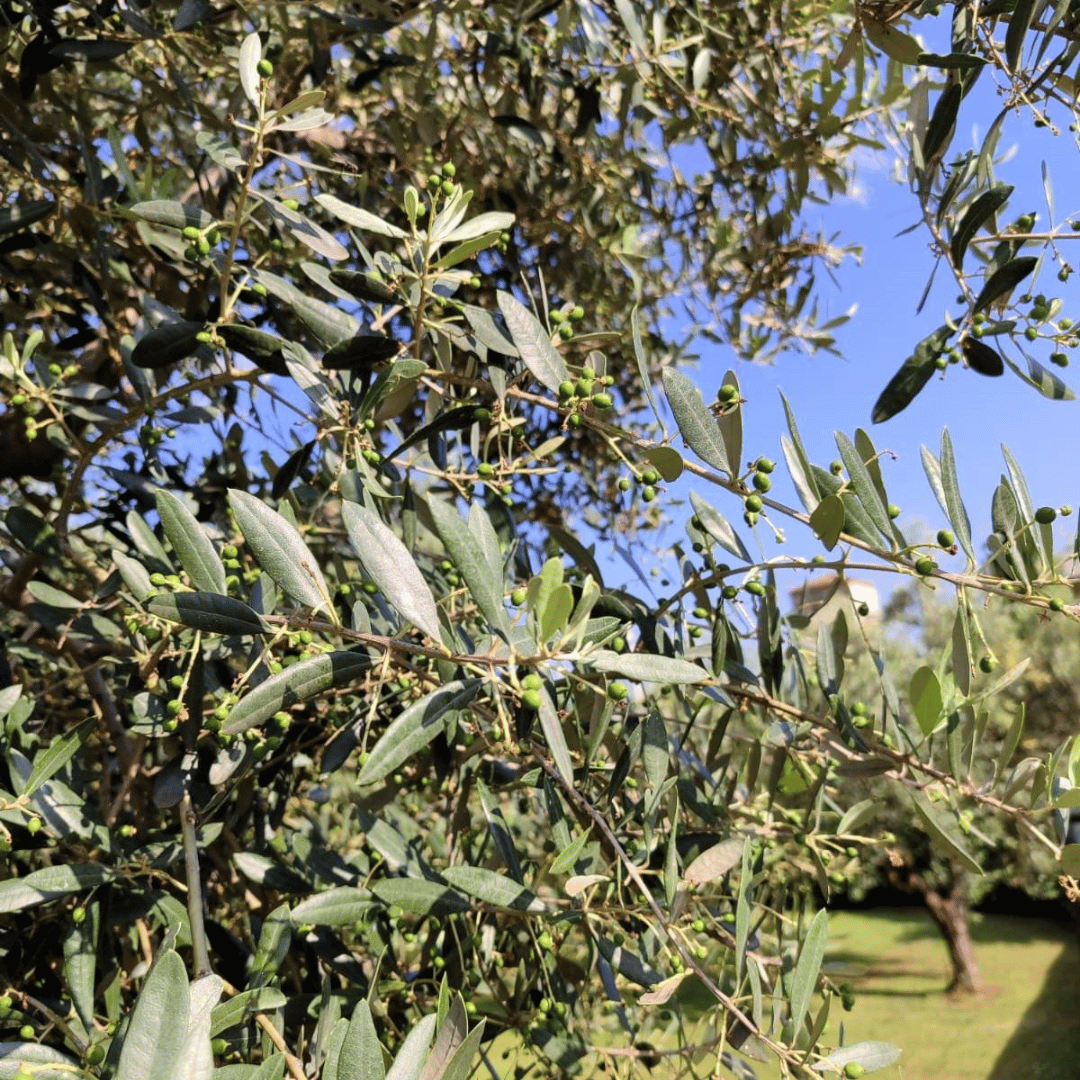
327 741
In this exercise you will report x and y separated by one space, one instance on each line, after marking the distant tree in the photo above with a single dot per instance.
1030 718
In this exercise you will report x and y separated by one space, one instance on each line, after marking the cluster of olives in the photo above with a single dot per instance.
202 241
761 481
577 395
564 321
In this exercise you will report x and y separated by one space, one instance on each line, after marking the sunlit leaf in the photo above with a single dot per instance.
644 667
827 520
281 552
250 55
804 979
926 699
193 548
696 424
493 888
533 343
390 565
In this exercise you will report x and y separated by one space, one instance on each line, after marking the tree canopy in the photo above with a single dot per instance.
329 741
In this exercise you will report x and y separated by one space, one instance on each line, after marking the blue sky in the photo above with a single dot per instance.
829 393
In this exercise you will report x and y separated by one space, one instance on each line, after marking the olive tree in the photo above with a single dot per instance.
329 744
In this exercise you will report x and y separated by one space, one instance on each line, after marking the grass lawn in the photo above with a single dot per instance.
1027 1027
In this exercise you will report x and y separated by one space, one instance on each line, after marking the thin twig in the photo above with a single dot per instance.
188 821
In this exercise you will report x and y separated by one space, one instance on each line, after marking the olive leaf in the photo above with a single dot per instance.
981 358
696 424
913 375
975 216
533 343
281 552
193 548
307 679
1003 280
415 728
168 344
209 612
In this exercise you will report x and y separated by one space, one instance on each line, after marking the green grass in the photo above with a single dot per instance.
1027 1027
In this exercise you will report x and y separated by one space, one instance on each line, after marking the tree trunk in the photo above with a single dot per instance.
949 910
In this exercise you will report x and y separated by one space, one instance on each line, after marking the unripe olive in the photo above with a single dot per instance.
577 313
219 1047
95 1054
190 233
1065 510
290 204
531 700
853 1070
584 387
485 469
624 484
1045 515
27 1032
78 915
765 465
532 681
474 282
448 187
265 69
449 169
836 467
566 389
755 588
556 318
729 592
727 393
1060 359
754 504
618 691
517 597
1056 604
1031 333
603 401
650 476
648 493
925 565
945 538
566 331
761 481
894 511
987 664
34 826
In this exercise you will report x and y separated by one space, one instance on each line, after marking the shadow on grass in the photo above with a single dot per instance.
1046 1042
1005 929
